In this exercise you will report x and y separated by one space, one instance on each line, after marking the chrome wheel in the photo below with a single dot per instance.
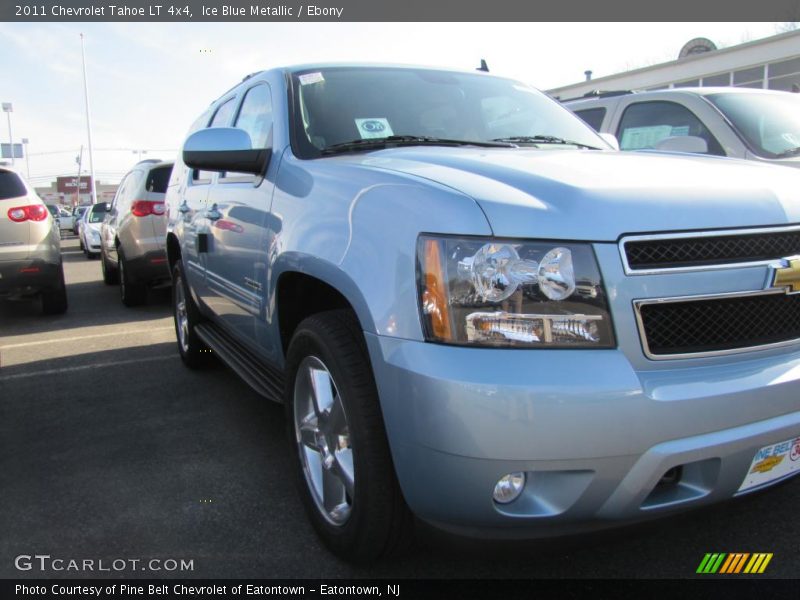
181 317
323 441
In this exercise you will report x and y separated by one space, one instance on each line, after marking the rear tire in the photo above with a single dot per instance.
351 493
54 301
194 353
133 293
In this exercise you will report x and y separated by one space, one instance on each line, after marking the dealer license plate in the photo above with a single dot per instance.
772 463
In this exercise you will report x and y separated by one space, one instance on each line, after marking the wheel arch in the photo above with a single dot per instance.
305 286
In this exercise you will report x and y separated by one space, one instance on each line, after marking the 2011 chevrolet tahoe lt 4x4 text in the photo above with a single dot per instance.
477 312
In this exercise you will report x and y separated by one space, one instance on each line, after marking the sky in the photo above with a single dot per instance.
149 81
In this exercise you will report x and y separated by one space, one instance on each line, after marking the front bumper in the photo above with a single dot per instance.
594 435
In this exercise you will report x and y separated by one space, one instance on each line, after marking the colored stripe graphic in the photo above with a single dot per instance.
758 563
711 563
733 563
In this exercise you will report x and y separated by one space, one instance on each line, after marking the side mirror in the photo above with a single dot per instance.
683 143
224 149
611 140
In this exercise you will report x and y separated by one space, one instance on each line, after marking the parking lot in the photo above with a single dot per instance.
110 448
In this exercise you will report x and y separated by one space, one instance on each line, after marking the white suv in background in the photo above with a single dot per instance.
133 233
754 124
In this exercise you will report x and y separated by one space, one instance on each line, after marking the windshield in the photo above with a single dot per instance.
339 105
769 123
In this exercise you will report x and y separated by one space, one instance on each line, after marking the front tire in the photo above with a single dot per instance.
187 316
340 451
110 274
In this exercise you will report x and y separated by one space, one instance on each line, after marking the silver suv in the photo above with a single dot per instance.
753 124
133 233
477 312
30 252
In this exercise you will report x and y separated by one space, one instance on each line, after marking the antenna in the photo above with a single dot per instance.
484 67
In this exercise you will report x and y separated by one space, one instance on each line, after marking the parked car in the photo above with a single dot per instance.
77 213
754 124
65 219
30 251
89 228
133 236
477 312
56 214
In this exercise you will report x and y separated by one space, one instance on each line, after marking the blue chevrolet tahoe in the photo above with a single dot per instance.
480 315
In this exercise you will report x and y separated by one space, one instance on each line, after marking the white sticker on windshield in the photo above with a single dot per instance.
373 128
639 138
307 78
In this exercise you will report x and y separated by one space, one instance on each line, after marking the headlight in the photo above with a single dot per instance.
512 293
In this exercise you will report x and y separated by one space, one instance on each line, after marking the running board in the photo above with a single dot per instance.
264 379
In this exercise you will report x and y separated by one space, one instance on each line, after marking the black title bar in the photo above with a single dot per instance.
398 10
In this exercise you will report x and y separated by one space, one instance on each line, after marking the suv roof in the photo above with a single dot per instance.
597 96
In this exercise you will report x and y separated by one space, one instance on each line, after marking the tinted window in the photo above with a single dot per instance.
97 214
255 116
223 115
593 117
769 123
158 179
11 185
339 105
644 124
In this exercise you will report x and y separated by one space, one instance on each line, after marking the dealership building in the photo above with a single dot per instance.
71 191
769 63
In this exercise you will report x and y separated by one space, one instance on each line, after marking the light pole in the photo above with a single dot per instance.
8 109
27 160
88 126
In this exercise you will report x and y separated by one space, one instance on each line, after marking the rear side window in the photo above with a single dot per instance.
158 179
644 124
11 186
593 117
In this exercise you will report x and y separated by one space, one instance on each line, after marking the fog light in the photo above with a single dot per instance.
509 487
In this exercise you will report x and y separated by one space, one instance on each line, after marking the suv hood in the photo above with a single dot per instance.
599 196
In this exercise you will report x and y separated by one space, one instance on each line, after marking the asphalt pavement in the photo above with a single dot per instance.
110 449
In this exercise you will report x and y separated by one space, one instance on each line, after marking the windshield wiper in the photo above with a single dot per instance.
542 139
789 152
408 140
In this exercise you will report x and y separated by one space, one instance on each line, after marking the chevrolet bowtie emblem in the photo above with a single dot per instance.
786 275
